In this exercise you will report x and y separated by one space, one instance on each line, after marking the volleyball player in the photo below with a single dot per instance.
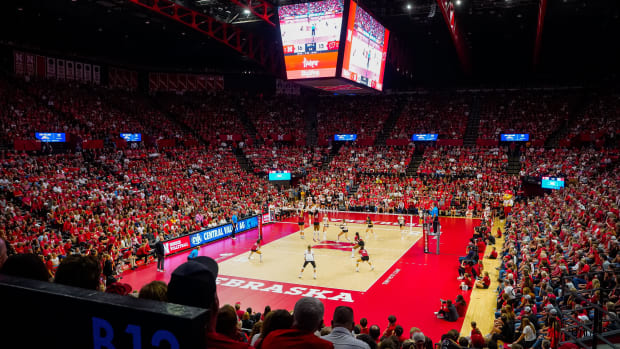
308 259
300 223
317 225
325 226
369 226
256 249
363 258
358 244
401 224
344 230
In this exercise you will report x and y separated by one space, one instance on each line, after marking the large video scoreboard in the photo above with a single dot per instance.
365 48
311 34
311 37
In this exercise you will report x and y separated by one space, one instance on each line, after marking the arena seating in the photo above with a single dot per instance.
213 117
597 126
297 160
363 116
112 199
538 113
277 119
458 161
445 115
377 159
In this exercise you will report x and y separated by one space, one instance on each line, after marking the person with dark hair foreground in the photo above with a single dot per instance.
375 333
342 325
79 271
307 316
26 265
193 284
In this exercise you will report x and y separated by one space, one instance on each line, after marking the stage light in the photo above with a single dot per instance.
246 11
409 6
458 2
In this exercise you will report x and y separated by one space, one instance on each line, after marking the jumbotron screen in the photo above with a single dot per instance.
311 37
365 49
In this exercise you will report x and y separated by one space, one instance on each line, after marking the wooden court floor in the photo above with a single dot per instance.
282 259
483 302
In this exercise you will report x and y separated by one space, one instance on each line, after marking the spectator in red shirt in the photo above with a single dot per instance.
307 316
363 326
493 254
239 311
391 326
143 251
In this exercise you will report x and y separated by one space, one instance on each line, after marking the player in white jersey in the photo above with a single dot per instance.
345 231
325 226
401 225
308 259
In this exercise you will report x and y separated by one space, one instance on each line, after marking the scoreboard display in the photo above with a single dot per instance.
311 38
365 48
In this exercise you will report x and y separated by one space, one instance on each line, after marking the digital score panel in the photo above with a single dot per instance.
365 49
50 137
424 137
345 137
515 137
310 35
552 183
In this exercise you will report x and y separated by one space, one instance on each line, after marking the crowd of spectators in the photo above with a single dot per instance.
464 161
444 115
561 252
297 160
376 159
276 118
212 117
564 162
598 124
363 116
537 113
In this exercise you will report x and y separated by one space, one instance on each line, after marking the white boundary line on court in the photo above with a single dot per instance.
394 262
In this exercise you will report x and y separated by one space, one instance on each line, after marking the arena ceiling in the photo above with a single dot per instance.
579 37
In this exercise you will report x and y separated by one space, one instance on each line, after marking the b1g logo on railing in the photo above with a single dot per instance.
103 336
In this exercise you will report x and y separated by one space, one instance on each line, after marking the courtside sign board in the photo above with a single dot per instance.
208 235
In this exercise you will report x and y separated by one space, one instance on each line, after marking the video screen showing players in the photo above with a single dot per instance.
311 37
365 49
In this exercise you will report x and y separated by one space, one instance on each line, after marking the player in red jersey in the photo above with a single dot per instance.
256 249
359 242
317 225
363 258
300 223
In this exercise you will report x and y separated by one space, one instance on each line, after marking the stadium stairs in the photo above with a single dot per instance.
514 164
310 104
175 119
249 126
473 123
390 122
334 151
575 113
416 160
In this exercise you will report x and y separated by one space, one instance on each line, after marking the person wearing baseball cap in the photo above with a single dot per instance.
193 284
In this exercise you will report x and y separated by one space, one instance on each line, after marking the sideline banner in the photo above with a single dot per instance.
208 235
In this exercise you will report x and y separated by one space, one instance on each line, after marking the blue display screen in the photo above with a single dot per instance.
279 176
552 183
345 137
424 137
50 137
212 234
515 137
132 137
